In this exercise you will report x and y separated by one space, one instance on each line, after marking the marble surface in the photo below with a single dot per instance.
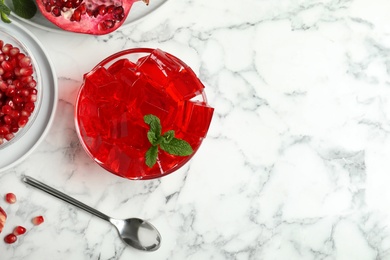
296 164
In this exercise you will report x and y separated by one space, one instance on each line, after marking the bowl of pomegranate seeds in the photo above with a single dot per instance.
28 93
19 89
142 113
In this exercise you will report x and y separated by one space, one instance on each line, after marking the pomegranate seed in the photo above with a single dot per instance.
102 10
6 48
38 220
10 238
19 230
29 107
56 11
6 65
4 130
10 198
9 136
22 121
7 119
6 109
76 16
14 51
26 71
25 62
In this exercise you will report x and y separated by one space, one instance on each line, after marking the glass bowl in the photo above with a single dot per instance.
24 101
123 88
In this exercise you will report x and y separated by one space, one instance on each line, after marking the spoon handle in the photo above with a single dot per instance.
41 186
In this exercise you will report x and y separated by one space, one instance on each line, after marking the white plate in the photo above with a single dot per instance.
138 11
19 150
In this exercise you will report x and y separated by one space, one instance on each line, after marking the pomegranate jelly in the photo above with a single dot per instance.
113 101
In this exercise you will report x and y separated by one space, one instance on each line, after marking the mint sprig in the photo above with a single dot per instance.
4 12
167 142
23 8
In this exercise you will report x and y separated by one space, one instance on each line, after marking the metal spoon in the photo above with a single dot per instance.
134 232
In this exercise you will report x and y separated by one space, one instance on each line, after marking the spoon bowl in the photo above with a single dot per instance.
134 232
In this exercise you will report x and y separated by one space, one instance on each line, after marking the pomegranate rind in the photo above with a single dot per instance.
3 218
88 24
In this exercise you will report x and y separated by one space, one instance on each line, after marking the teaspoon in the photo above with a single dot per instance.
135 232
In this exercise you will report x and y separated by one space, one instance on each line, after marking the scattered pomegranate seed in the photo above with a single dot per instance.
3 218
19 230
10 198
37 220
10 238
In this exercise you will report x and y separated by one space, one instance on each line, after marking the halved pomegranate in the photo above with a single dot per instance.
87 16
3 218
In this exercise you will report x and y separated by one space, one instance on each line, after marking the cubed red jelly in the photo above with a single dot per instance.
113 102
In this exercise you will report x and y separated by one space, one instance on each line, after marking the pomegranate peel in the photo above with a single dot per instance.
95 17
3 218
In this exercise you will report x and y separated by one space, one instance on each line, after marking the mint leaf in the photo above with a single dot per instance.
167 142
153 139
177 147
154 123
151 156
5 18
168 136
4 12
4 9
25 8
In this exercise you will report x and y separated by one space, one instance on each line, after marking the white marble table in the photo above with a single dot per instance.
296 164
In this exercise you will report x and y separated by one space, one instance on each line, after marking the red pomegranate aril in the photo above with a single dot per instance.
9 136
29 107
14 51
22 121
25 62
7 65
3 85
56 11
7 120
26 79
4 130
10 239
17 99
10 198
14 128
19 230
6 48
14 114
26 71
38 220
6 109
25 113
32 84
24 92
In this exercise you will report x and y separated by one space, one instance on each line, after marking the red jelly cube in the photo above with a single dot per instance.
147 99
185 85
100 85
159 67
128 133
196 118
120 64
127 76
